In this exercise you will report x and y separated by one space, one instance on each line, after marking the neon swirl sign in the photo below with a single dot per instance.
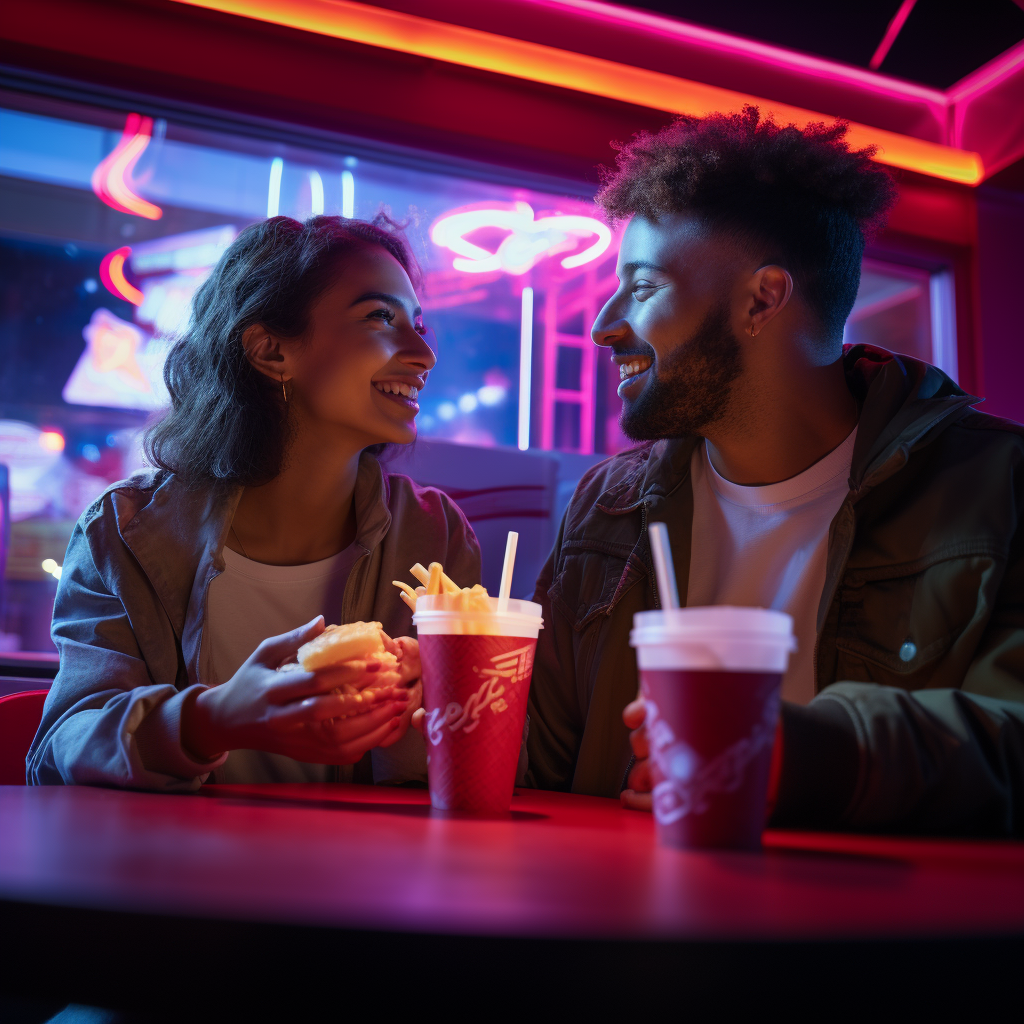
529 239
112 276
111 181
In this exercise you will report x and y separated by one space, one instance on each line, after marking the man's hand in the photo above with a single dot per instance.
290 712
637 795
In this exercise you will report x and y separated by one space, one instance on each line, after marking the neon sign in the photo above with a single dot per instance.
112 276
111 181
529 239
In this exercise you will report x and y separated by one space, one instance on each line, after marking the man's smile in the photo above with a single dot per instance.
632 373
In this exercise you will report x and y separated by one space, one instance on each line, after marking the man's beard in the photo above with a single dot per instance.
692 386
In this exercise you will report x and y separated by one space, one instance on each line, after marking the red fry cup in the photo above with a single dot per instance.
476 679
711 679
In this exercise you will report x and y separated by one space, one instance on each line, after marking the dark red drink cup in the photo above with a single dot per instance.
475 689
710 678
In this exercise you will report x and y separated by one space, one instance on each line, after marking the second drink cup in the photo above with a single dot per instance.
710 678
476 678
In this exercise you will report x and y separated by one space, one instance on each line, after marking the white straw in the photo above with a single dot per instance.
506 572
665 571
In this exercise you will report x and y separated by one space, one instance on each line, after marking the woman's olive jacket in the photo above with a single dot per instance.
919 719
131 606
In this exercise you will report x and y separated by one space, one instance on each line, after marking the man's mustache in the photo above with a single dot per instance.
636 349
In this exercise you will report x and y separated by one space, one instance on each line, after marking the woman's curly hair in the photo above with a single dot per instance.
227 423
798 197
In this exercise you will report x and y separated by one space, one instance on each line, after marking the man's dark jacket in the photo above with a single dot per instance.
918 723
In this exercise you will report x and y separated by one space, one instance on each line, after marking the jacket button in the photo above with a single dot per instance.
908 651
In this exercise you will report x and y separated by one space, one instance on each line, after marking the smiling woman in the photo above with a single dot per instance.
269 511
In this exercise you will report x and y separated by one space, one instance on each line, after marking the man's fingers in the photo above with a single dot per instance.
635 801
275 649
640 780
638 741
417 719
633 713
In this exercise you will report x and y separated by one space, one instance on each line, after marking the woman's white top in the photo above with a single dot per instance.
247 603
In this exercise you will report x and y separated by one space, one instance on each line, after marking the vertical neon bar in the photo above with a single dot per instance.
316 193
274 191
348 194
943 309
525 368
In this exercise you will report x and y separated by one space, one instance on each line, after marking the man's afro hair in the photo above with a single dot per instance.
799 197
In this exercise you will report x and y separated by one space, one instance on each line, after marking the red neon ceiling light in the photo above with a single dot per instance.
112 276
899 19
456 44
529 240
111 181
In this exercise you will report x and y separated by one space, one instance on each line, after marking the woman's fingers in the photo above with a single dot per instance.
292 684
417 719
276 649
409 663
415 694
336 706
353 750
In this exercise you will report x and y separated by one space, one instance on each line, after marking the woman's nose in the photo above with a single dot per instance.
418 353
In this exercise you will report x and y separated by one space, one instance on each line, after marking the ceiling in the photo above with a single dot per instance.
940 42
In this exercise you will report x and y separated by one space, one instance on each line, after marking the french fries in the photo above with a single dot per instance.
433 582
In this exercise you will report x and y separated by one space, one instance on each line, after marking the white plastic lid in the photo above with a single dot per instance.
725 621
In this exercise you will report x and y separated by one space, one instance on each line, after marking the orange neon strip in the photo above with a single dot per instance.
406 33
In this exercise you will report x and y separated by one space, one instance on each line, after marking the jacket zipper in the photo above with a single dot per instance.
657 603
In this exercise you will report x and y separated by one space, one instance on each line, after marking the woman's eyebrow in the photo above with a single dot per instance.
385 297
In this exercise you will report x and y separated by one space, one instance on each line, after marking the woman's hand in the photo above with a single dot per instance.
409 672
292 712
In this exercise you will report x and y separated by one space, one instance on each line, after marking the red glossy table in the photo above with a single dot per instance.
275 877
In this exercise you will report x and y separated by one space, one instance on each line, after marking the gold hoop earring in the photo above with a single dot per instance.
751 330
284 391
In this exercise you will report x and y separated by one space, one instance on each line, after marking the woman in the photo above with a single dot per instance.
304 356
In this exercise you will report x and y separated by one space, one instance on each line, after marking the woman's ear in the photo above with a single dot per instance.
264 352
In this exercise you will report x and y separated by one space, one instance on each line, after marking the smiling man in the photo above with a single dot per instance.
856 490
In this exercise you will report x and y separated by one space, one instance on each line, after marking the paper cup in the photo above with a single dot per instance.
476 678
710 678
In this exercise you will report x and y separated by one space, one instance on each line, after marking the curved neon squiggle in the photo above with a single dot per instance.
528 241
112 276
110 179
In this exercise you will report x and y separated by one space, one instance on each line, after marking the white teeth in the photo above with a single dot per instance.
394 388
627 370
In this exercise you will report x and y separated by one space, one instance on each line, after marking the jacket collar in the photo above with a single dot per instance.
177 537
904 402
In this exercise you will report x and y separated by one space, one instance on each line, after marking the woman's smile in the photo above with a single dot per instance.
403 393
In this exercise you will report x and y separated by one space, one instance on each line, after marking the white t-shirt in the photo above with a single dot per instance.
247 603
766 547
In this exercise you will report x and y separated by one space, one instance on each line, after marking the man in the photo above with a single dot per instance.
856 490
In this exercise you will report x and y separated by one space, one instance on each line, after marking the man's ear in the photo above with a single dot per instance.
771 289
264 352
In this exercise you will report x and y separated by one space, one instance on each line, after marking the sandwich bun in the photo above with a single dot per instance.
337 644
